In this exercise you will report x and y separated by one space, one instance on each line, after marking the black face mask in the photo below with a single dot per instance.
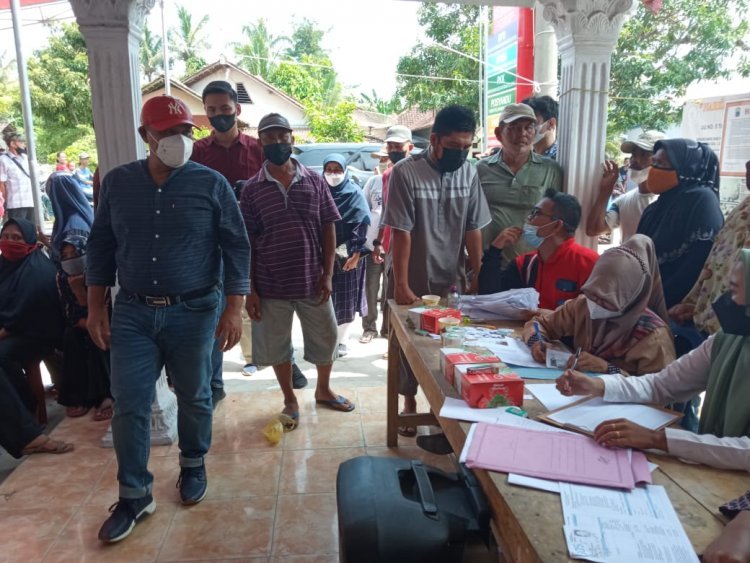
732 317
452 159
223 123
396 156
21 151
278 153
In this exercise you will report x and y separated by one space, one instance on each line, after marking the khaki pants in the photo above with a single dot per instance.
246 340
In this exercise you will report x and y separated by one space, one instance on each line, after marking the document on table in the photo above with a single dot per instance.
504 305
515 353
457 409
589 414
562 457
611 526
549 396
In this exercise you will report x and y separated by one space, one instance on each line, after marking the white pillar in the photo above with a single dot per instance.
545 54
112 31
587 31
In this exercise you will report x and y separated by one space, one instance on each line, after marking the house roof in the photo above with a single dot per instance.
210 69
416 119
155 85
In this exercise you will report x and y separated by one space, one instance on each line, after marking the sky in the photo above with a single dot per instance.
364 43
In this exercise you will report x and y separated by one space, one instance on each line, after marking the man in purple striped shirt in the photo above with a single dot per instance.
290 214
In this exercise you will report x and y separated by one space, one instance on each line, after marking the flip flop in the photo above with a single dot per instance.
49 446
76 412
367 337
289 421
407 431
104 413
340 403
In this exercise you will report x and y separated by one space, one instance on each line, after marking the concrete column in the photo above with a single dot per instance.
545 54
587 31
112 30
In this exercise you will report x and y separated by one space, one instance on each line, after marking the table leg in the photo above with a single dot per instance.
394 355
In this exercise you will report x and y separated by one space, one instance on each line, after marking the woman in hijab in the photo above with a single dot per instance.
31 321
620 321
720 367
686 218
85 380
73 213
351 236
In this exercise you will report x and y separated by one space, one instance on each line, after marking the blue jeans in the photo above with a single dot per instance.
144 340
217 356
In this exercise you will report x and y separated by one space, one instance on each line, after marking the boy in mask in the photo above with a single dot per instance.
557 268
626 210
164 225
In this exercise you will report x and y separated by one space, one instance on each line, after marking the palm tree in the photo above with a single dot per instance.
189 41
151 54
259 55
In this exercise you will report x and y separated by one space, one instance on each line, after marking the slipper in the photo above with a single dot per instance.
289 421
49 446
367 337
75 412
104 412
340 403
407 431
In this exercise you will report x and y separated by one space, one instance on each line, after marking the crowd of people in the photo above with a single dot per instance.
222 241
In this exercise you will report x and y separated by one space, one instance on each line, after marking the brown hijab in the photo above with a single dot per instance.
627 279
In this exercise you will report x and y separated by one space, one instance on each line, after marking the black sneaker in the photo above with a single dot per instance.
217 394
299 381
192 484
125 514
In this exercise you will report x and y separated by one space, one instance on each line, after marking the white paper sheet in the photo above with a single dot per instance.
549 396
467 443
515 353
507 305
534 483
457 409
611 526
590 414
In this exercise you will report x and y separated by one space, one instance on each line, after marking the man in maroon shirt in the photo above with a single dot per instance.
237 157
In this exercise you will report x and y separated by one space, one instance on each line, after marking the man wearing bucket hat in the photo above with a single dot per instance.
515 178
626 210
163 226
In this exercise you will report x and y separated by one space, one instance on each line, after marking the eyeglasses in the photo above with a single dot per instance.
535 212
521 127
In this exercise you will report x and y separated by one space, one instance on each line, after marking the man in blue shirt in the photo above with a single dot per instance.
83 174
164 225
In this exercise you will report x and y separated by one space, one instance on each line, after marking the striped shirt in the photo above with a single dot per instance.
285 227
168 239
17 182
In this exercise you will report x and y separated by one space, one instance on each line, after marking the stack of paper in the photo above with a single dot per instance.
557 456
507 305
611 526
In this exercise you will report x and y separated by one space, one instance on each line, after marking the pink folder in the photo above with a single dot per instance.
553 455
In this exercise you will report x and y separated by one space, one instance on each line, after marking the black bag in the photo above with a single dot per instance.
394 510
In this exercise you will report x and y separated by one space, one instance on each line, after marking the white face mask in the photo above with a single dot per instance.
596 311
175 150
382 167
639 176
334 179
541 131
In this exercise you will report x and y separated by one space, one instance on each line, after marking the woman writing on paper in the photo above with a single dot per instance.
620 321
720 367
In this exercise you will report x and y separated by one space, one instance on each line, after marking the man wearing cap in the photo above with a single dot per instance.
373 192
289 214
626 210
163 225
515 178
84 176
15 182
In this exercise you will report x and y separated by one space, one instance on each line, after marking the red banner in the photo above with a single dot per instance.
5 4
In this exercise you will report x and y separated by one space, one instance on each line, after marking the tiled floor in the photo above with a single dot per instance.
264 503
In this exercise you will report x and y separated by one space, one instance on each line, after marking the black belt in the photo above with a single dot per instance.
167 300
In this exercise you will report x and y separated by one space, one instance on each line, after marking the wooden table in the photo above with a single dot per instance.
529 522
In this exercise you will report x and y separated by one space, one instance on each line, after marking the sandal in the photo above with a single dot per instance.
76 412
289 421
340 403
367 337
407 431
104 411
49 446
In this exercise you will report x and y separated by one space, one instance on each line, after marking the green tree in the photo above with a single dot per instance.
658 55
306 40
151 54
373 102
10 93
189 41
454 26
60 90
261 51
334 124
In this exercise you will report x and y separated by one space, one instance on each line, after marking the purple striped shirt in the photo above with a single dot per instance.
285 228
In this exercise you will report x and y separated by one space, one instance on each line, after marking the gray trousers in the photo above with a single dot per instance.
374 277
20 213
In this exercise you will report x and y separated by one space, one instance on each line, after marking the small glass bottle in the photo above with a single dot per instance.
454 298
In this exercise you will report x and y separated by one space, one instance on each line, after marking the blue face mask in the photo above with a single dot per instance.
530 235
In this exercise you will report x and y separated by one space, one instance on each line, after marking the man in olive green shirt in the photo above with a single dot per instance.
515 178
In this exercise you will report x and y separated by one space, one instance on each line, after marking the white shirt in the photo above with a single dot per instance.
680 381
373 192
626 210
17 184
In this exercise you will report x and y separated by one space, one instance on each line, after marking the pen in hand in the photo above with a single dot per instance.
539 336
575 361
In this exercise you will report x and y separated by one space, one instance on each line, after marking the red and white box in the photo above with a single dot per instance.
431 317
478 389
452 357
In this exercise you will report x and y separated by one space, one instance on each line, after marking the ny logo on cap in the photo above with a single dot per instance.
174 108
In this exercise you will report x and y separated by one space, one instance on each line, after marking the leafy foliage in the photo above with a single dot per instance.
334 123
189 41
658 55
260 53
151 54
373 102
455 26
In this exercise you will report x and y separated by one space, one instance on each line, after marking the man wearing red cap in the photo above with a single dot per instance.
163 225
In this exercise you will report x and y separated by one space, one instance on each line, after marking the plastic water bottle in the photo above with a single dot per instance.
454 298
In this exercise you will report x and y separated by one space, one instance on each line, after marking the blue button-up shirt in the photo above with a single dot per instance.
168 239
